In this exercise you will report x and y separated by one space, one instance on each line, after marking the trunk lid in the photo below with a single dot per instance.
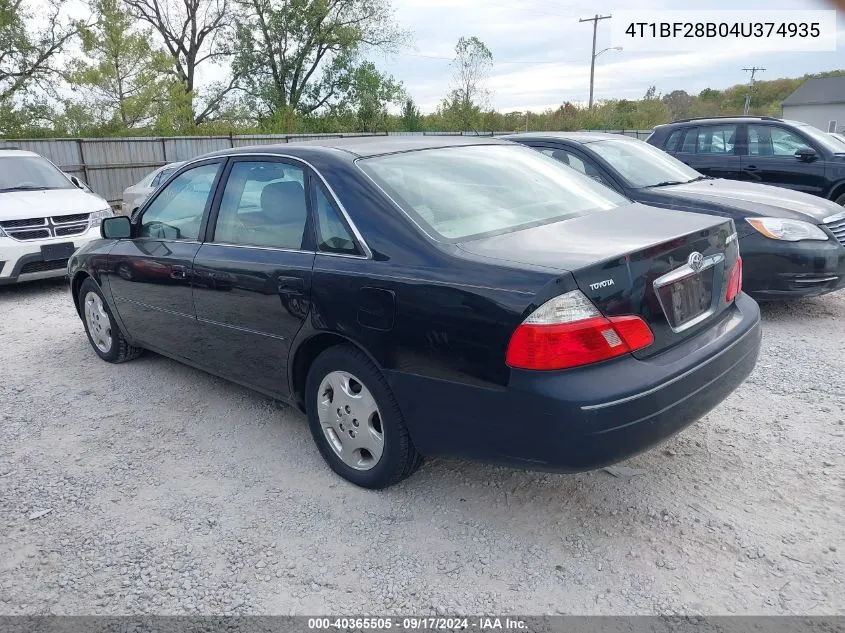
616 256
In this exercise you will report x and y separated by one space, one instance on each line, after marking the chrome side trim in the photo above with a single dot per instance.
156 308
285 250
260 248
368 254
815 281
648 392
239 328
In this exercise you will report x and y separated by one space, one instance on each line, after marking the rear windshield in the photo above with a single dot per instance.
457 193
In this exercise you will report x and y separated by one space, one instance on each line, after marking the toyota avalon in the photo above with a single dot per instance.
420 296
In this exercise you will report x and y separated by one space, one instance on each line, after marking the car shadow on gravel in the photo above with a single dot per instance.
31 288
801 309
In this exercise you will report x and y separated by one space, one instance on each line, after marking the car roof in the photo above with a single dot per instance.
579 137
17 152
365 146
740 118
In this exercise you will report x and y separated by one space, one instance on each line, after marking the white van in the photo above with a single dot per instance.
45 215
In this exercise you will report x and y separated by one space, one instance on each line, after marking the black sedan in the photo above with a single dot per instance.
420 296
792 243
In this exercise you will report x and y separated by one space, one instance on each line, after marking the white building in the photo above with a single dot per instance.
819 102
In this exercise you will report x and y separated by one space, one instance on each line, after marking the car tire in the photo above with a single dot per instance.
841 200
355 420
103 334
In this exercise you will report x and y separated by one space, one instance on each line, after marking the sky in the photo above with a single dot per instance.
542 53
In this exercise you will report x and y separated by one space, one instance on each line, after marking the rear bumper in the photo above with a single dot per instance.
775 270
585 418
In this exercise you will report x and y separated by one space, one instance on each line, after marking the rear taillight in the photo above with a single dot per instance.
568 331
734 281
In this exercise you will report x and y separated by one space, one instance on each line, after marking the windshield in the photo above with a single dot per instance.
641 164
828 141
22 173
461 192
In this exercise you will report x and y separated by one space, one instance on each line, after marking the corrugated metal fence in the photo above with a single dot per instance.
110 165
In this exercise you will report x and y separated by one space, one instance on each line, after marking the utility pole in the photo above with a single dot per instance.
595 21
753 71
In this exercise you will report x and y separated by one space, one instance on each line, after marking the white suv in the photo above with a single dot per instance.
44 216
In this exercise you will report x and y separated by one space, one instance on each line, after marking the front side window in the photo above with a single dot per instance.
263 205
459 192
716 139
768 140
828 141
162 176
30 173
643 165
176 212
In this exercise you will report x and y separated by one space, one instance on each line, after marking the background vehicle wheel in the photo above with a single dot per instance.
103 334
356 421
841 200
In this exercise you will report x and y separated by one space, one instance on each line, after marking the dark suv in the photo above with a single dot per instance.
759 149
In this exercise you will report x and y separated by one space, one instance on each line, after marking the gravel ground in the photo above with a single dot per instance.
151 487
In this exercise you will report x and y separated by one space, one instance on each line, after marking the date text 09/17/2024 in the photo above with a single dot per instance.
421 623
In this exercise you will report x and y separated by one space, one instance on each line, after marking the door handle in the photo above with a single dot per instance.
178 272
291 285
750 168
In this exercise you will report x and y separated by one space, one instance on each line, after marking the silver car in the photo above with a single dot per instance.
135 195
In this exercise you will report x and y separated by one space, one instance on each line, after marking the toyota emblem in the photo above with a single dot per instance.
695 261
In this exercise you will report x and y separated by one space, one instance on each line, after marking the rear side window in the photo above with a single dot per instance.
263 205
716 139
332 234
690 136
672 142
576 162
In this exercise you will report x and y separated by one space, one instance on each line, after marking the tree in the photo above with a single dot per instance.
471 68
194 32
369 93
300 56
678 102
126 75
27 58
411 117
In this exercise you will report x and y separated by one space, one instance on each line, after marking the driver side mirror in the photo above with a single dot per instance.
806 154
116 228
77 183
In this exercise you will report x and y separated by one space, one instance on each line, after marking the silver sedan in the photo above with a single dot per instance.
135 195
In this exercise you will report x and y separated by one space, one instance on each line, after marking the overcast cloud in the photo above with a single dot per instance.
555 47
